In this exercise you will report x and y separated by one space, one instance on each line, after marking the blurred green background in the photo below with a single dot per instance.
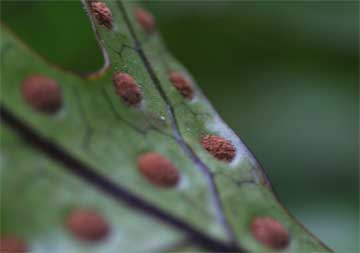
284 75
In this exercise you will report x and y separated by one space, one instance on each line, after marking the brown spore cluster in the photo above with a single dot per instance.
42 93
12 244
219 147
145 19
158 170
127 88
87 225
270 232
182 84
102 13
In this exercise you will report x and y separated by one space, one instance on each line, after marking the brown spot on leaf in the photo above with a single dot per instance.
12 244
102 13
219 147
158 170
270 232
127 88
145 19
87 225
42 93
182 84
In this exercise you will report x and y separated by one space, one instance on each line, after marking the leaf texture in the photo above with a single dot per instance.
85 156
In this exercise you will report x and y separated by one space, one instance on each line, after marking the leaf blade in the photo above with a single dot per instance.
199 116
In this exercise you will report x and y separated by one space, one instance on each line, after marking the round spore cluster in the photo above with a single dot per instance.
158 170
269 232
219 147
87 225
127 88
182 84
102 13
13 244
42 93
145 19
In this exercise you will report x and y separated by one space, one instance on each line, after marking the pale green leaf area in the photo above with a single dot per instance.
39 195
98 128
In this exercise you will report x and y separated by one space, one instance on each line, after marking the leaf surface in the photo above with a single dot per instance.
211 208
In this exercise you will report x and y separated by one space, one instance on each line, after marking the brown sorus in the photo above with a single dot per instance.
269 232
158 169
127 88
12 244
87 225
182 84
219 147
145 19
42 93
102 13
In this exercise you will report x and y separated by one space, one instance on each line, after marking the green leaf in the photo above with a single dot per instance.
85 156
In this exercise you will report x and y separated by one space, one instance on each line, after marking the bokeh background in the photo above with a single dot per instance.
284 75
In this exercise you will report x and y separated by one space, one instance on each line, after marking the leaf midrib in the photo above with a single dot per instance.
90 175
